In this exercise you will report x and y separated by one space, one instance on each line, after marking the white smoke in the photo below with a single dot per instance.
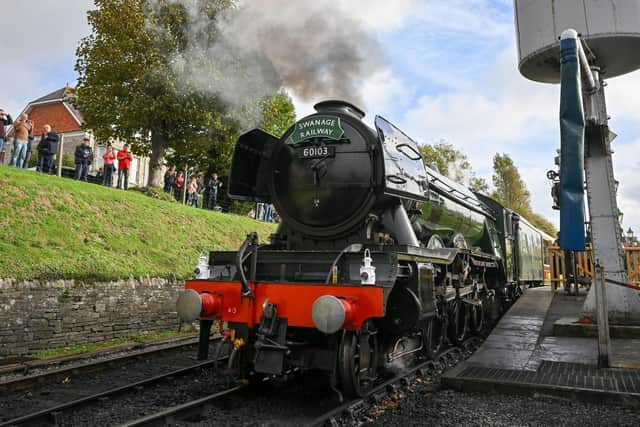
310 47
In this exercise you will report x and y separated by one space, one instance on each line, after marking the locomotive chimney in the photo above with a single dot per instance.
336 106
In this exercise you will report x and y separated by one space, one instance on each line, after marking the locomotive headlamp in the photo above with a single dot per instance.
367 270
192 305
330 314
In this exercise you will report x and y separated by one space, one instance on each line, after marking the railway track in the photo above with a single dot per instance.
353 411
54 415
206 410
20 376
187 410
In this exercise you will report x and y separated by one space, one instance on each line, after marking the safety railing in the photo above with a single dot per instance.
585 269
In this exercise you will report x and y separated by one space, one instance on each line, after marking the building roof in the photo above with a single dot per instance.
57 109
56 95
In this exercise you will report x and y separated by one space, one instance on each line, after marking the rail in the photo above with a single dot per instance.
585 269
23 379
54 414
179 412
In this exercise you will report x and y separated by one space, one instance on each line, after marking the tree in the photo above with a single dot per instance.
542 223
510 189
453 164
126 87
511 192
213 149
278 114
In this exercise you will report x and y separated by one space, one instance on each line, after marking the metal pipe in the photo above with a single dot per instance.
588 77
571 195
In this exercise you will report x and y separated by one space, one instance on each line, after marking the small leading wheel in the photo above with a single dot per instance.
358 361
457 321
476 318
433 336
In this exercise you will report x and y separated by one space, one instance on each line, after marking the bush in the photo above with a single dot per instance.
33 160
155 193
68 161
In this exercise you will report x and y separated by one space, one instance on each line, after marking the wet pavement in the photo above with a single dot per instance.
522 354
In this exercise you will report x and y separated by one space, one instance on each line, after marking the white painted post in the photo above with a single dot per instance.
60 151
604 341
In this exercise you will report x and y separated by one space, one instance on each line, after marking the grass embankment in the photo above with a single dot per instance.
54 228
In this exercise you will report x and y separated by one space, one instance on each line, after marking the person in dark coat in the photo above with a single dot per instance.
83 158
47 149
169 179
5 120
213 185
100 176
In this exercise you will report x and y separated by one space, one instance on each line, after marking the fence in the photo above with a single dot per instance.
584 264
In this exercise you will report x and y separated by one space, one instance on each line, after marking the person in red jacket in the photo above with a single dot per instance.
109 167
178 186
124 163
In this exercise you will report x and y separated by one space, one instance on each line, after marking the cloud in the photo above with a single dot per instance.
38 47
626 166
379 15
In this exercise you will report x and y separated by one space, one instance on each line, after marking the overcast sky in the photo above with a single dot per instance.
451 74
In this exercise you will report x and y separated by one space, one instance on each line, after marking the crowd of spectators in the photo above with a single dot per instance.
192 189
184 185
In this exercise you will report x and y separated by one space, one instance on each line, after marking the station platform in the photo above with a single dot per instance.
523 356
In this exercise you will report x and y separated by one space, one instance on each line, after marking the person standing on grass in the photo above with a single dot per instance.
83 158
109 167
5 120
213 186
22 128
47 149
169 179
44 147
193 192
124 163
27 156
178 185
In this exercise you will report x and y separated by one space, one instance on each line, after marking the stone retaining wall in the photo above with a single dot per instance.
38 315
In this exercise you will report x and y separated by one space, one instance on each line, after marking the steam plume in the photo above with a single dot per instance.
310 47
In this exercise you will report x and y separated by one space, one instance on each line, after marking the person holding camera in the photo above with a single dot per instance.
83 158
5 120
109 167
22 128
124 163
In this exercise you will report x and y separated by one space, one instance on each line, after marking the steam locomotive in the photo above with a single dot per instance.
378 257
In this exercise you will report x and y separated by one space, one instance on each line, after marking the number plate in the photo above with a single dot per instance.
316 152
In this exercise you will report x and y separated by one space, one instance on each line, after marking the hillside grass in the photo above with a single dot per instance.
53 228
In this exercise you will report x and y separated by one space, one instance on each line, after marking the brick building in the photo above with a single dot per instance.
57 109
